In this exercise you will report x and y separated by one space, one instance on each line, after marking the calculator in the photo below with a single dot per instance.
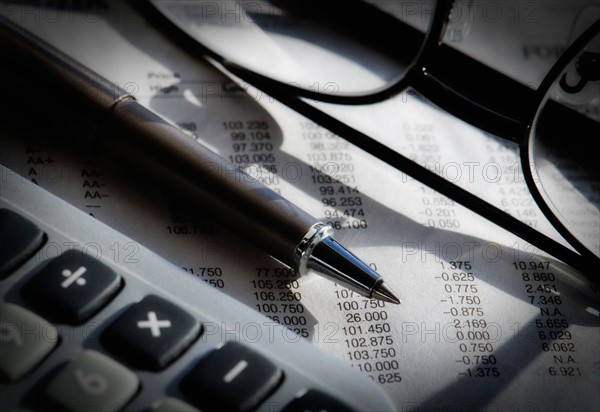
83 331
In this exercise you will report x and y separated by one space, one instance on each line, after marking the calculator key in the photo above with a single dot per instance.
151 333
93 382
25 339
72 287
172 405
231 378
316 401
19 240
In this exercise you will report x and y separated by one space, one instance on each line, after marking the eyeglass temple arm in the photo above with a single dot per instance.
400 41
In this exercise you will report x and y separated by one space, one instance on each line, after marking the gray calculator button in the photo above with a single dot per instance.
71 287
232 378
25 339
19 239
316 401
151 333
93 382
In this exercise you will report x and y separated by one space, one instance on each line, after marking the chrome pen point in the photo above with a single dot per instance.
319 252
383 292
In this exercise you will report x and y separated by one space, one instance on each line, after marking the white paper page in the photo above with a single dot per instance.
486 322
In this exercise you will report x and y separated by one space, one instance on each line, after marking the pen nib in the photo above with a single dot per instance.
383 292
332 260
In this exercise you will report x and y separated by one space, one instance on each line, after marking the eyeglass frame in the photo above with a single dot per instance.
512 125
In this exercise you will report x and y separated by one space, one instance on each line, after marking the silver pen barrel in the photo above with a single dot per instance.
69 93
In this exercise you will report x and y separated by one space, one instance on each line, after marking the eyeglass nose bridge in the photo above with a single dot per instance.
478 94
467 88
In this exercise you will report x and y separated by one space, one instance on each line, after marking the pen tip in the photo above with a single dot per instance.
383 292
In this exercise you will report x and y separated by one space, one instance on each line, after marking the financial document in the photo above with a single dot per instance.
487 321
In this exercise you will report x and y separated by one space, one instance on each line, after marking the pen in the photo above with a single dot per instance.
66 90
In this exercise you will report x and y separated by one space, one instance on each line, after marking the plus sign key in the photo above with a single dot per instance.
72 287
151 333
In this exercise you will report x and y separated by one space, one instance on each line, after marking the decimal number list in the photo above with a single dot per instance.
333 173
251 144
368 339
437 210
277 296
472 336
551 326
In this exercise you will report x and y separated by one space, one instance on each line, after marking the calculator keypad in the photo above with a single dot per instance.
148 335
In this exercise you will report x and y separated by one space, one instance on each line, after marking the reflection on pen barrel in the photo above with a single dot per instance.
240 203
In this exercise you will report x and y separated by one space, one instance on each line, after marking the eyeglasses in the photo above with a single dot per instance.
303 50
